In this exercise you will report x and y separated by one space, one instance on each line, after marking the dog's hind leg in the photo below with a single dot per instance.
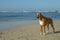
53 27
47 28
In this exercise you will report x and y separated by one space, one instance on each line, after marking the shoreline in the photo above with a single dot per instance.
7 25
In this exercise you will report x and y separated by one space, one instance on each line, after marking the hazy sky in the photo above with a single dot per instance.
18 5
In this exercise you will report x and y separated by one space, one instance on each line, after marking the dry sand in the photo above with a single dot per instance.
31 32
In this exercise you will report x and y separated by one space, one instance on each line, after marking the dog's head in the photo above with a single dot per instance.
39 15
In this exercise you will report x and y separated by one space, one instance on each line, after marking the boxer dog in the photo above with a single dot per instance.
44 23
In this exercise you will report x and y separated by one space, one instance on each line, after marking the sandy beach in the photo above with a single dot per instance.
31 32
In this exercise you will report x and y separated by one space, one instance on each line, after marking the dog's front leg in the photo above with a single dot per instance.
44 30
41 30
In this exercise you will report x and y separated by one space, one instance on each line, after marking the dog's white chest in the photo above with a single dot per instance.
40 22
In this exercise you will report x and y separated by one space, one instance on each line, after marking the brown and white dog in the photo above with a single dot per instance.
44 23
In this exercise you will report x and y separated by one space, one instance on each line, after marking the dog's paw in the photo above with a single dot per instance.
47 31
40 33
44 33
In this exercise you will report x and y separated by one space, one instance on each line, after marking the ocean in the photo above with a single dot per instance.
6 16
10 20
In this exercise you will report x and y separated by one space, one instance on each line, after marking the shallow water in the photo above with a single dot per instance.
6 25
